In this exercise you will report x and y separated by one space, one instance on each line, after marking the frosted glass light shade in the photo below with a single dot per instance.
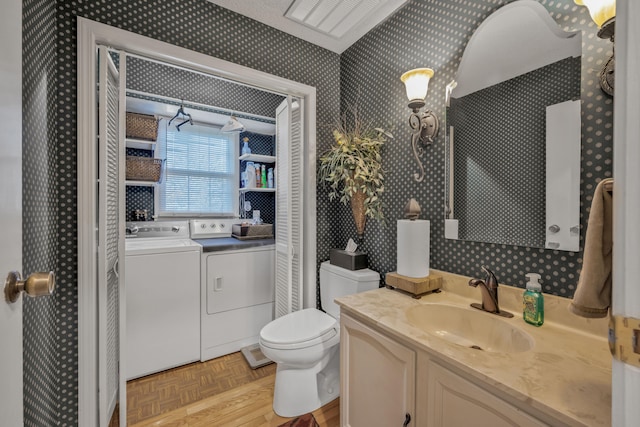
600 10
417 82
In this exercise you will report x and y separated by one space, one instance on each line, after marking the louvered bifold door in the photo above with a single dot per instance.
289 174
109 233
296 217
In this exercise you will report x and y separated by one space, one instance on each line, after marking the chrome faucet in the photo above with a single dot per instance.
489 291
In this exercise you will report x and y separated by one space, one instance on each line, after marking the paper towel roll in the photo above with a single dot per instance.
413 248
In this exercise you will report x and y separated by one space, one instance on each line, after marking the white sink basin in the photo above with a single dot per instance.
470 328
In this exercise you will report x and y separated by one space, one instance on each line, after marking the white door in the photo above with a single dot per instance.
11 208
626 203
289 206
110 233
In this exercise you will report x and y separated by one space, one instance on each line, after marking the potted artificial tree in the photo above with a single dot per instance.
352 168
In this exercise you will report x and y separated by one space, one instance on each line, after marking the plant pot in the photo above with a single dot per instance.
358 211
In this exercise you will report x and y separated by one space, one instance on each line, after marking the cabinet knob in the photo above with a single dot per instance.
407 420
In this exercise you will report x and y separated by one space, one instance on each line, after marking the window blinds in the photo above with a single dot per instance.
200 171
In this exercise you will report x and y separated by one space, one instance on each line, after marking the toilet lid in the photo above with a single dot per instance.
299 327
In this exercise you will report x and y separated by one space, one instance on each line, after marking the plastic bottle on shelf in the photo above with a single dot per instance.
250 172
245 146
270 178
264 176
258 176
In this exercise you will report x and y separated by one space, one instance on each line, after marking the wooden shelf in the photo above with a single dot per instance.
140 183
140 144
257 158
258 190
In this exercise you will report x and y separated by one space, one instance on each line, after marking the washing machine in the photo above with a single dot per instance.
162 281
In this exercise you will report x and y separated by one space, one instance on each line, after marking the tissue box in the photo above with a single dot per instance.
348 260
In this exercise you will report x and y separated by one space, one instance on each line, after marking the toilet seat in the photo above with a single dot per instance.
300 329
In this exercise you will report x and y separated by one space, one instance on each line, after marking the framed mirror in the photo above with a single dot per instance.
513 133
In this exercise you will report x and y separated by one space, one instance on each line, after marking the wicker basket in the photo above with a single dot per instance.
143 168
142 126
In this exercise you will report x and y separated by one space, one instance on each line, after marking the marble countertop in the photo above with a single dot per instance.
566 375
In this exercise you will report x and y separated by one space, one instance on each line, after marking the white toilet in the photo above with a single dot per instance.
305 344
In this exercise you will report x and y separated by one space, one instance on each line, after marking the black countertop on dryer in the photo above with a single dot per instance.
231 244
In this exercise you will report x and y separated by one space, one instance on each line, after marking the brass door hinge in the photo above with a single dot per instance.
624 339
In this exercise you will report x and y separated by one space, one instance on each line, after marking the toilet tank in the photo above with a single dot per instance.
337 281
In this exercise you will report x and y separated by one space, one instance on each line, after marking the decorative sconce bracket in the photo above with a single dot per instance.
607 74
424 127
603 14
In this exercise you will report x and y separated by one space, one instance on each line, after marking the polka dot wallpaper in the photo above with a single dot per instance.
50 50
423 33
158 79
41 241
434 34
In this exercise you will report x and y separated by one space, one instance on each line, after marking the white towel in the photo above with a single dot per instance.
593 293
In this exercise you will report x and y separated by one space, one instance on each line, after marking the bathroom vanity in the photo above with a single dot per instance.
438 362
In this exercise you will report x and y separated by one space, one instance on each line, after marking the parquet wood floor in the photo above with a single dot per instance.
220 392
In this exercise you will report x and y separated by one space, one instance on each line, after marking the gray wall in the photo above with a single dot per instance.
424 33
194 24
42 335
433 33
173 82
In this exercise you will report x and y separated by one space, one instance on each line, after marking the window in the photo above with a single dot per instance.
200 172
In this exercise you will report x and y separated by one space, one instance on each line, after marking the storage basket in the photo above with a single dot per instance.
142 126
143 168
246 232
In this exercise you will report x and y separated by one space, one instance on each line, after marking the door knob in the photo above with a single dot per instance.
37 284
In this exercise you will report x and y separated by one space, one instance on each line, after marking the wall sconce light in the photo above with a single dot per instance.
424 125
603 13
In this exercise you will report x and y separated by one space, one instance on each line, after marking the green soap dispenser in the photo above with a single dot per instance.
533 301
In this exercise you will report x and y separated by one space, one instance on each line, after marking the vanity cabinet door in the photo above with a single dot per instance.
454 401
377 378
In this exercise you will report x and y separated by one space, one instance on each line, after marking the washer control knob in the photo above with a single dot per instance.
213 225
203 225
222 225
175 228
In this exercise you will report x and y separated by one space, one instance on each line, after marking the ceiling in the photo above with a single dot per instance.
332 24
